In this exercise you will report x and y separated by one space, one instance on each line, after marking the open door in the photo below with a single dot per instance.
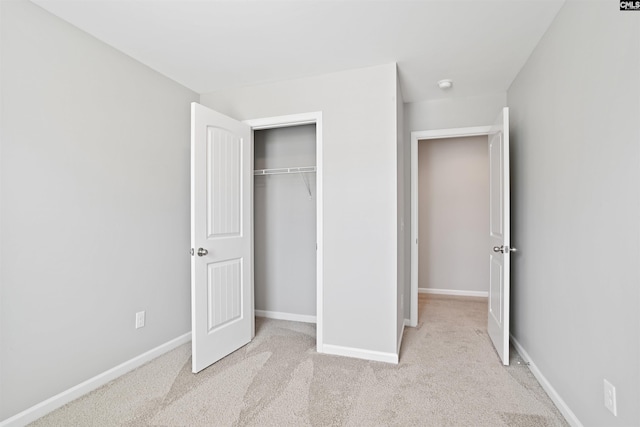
221 266
499 235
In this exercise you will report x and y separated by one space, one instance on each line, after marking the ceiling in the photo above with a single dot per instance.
214 45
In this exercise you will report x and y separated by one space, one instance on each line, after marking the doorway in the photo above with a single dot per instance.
222 223
499 248
416 137
287 180
284 223
453 216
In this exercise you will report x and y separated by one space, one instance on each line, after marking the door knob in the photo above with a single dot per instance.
202 251
504 249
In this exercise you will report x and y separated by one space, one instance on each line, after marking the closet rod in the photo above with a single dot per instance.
302 169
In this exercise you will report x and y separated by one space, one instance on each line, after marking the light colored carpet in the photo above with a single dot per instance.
448 375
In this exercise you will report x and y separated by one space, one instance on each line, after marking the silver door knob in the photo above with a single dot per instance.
202 251
504 249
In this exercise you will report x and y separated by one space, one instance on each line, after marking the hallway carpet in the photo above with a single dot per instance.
448 375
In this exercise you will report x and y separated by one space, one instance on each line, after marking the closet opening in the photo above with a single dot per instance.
287 219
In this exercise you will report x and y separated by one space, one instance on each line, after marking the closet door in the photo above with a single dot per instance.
221 206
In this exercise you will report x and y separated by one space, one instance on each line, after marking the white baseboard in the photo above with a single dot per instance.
481 294
285 316
43 408
546 385
358 353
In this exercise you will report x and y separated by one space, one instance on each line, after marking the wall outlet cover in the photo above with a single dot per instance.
610 398
139 319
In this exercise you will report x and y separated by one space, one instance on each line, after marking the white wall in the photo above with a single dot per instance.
95 207
453 205
285 222
448 113
576 207
360 193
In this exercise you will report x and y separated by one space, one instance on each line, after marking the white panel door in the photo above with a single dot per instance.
500 239
221 264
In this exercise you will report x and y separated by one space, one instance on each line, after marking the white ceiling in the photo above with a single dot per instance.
213 45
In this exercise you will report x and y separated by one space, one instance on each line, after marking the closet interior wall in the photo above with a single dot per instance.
285 221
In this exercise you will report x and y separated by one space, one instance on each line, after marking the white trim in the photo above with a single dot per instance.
413 300
285 316
451 133
296 120
284 121
400 341
415 137
407 322
43 408
480 294
568 414
358 353
320 234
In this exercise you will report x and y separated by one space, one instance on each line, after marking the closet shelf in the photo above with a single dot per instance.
302 169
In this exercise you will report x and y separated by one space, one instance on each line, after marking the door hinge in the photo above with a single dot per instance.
193 252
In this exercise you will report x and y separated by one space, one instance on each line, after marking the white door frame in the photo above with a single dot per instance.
297 120
417 136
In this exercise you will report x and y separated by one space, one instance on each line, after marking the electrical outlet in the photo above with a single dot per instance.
139 319
610 398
